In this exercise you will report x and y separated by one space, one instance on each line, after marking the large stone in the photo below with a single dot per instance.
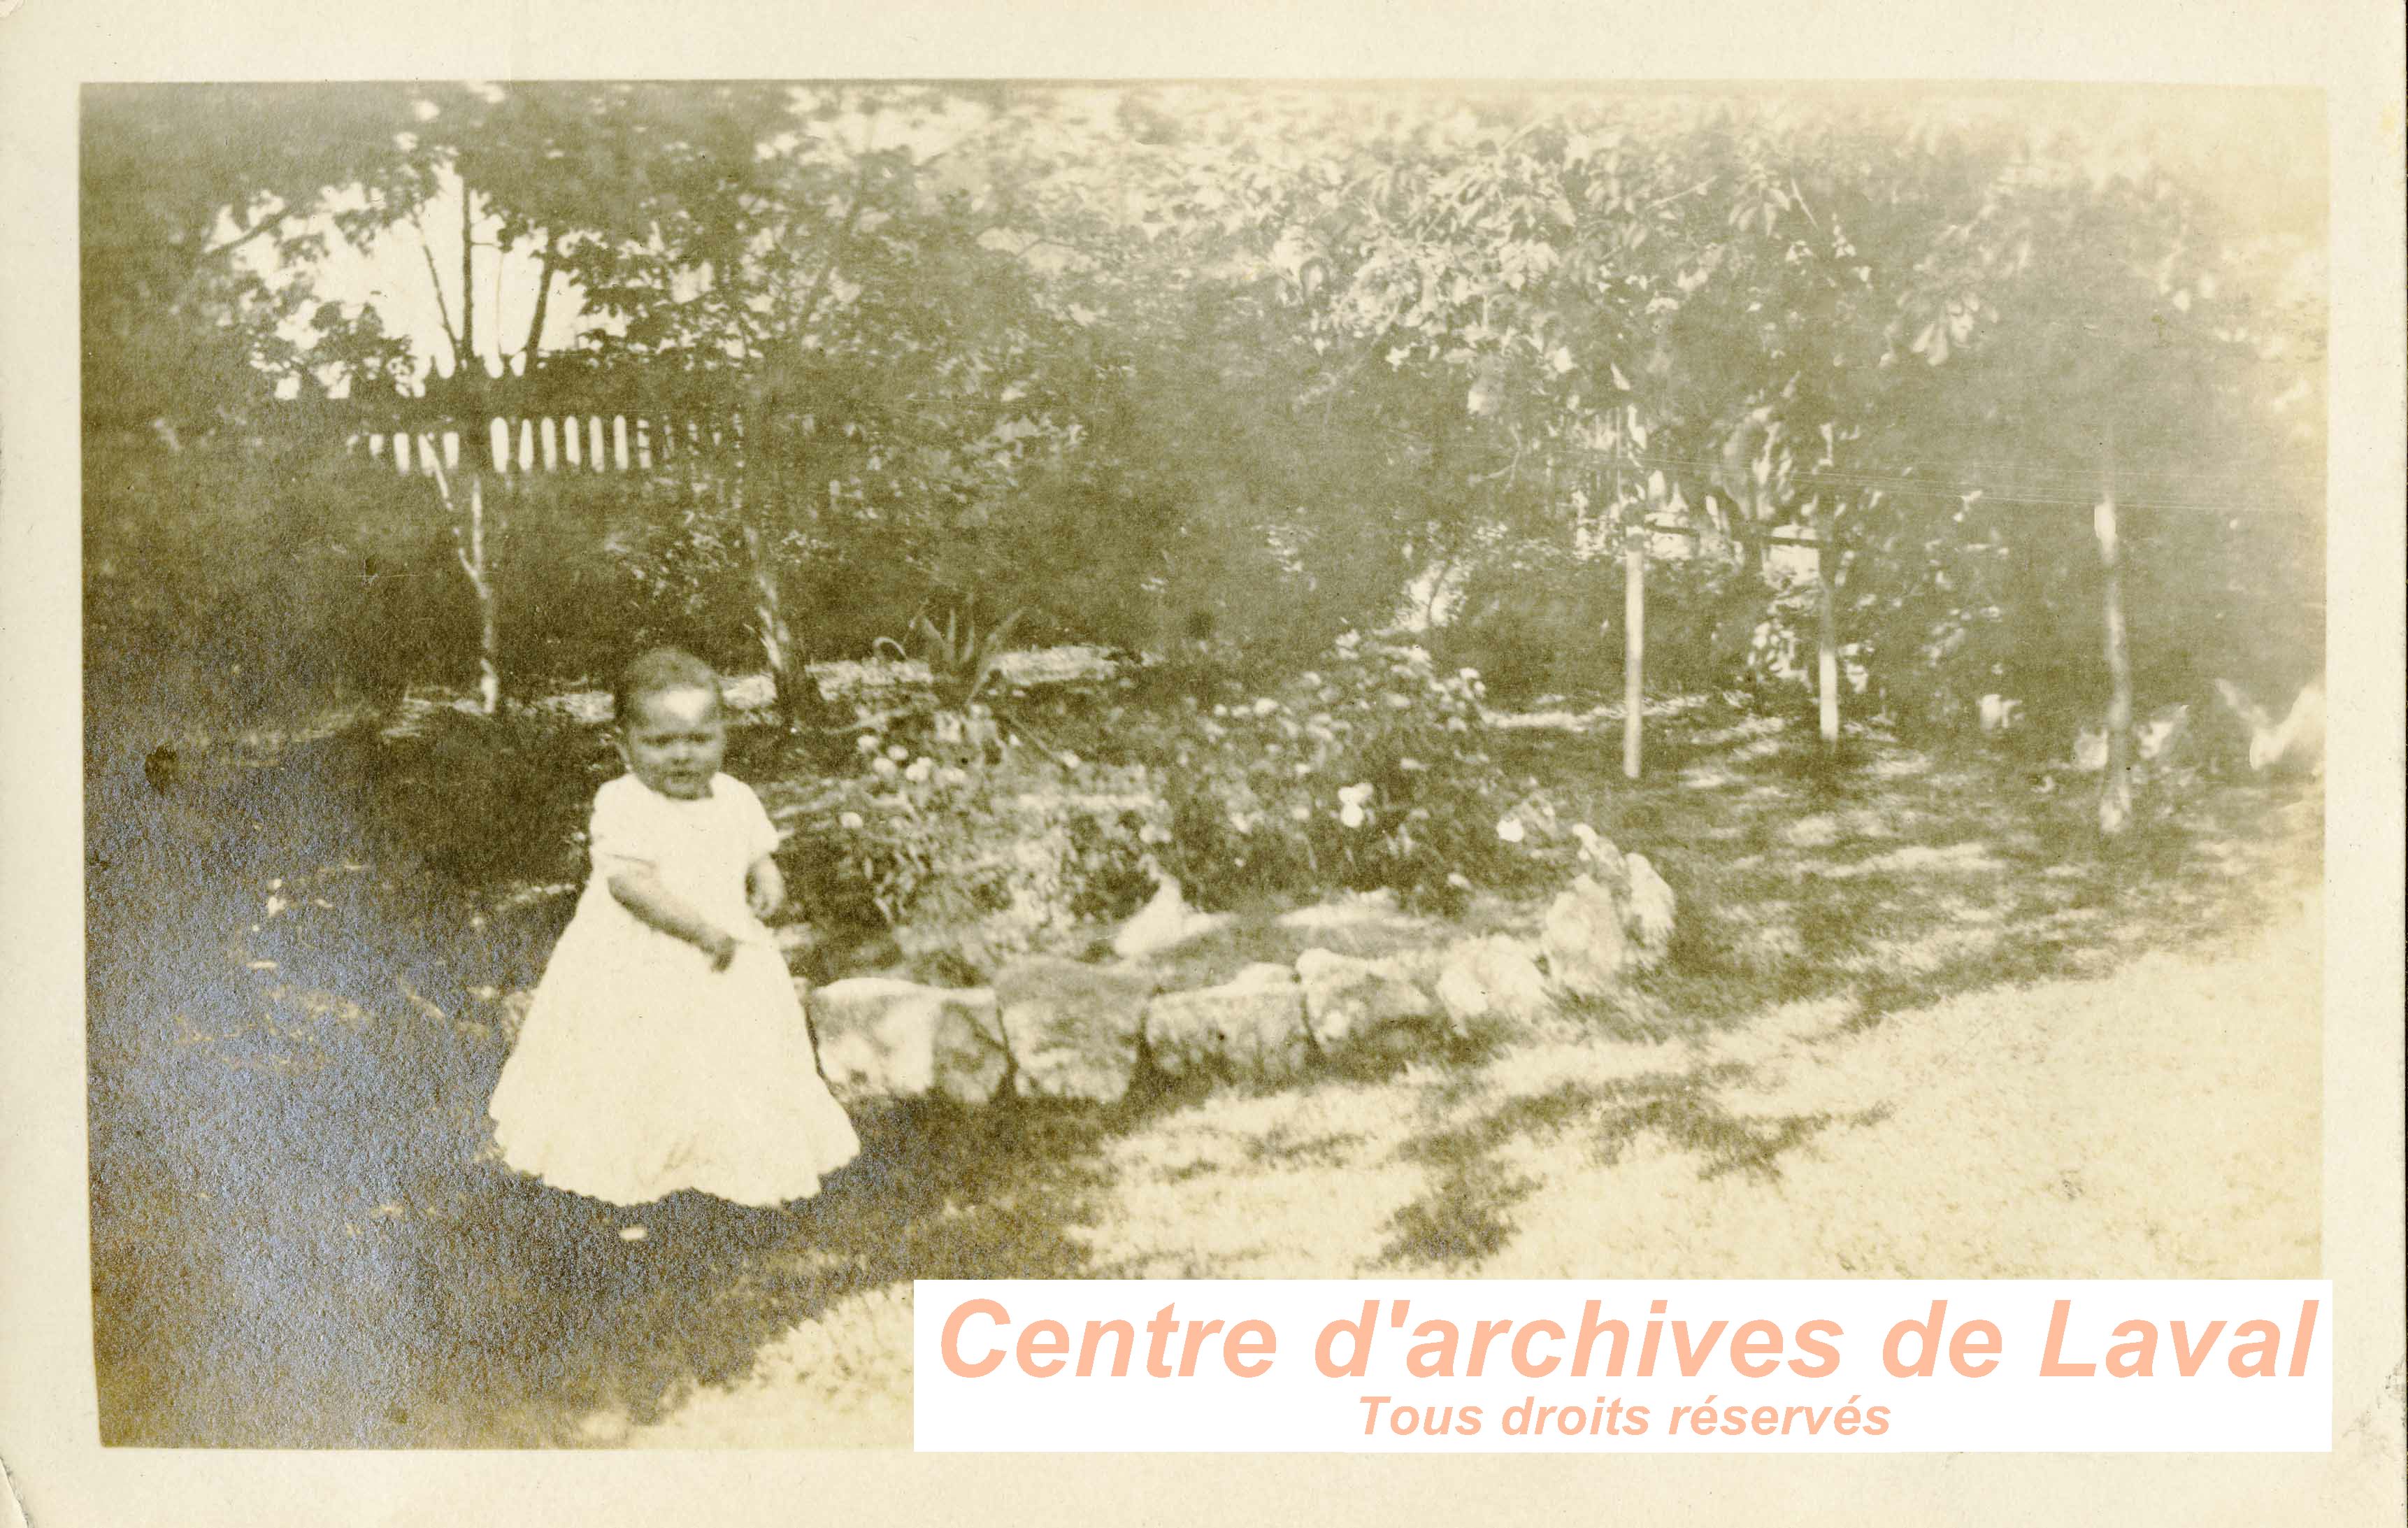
1072 1029
1253 1023
1647 915
1584 940
1354 910
1352 1000
881 1036
1165 923
1493 981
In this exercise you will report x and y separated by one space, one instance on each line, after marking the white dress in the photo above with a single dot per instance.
639 1071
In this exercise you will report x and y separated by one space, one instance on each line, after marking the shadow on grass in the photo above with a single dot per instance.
295 1024
1897 879
293 1029
1466 1215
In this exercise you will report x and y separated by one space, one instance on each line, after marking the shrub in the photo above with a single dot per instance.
488 800
1371 772
1537 618
968 831
993 848
1534 619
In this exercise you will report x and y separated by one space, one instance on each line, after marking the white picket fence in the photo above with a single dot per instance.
555 444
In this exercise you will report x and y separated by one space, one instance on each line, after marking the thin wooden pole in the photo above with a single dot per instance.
1634 635
2115 793
1827 643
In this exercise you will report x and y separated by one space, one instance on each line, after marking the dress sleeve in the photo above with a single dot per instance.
622 836
760 834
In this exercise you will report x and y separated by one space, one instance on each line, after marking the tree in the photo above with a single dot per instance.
197 209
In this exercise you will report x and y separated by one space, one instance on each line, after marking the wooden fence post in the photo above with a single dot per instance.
2115 793
1827 638
1634 630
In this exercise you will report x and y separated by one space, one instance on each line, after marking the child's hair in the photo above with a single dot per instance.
661 670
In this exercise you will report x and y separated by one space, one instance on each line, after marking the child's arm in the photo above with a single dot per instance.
639 891
768 887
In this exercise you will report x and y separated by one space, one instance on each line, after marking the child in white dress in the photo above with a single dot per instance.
665 1047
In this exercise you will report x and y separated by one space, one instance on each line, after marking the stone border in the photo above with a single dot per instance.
1054 1027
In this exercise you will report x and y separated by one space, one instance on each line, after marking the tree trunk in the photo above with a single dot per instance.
786 669
467 282
542 303
489 624
1827 621
2115 794
800 702
470 541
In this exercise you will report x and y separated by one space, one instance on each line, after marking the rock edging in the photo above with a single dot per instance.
1054 1027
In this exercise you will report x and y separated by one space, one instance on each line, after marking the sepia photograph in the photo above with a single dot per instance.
702 698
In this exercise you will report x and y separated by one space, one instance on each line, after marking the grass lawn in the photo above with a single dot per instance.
1916 1021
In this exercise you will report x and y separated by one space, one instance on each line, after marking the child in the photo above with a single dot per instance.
664 1048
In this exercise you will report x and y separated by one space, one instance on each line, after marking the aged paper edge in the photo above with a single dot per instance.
2353 52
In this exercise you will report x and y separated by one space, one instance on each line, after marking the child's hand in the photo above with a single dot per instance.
721 947
766 889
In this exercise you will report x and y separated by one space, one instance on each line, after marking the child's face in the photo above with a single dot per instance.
675 741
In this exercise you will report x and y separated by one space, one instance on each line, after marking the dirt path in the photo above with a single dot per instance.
2162 1121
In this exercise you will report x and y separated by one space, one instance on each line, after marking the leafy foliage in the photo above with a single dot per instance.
1369 771
1165 364
999 850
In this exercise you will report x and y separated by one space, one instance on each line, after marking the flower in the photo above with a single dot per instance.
1070 762
885 765
1509 830
1309 680
1351 814
1354 795
1301 813
1470 676
953 777
1265 706
1400 702
867 743
1455 879
851 822
920 771
898 753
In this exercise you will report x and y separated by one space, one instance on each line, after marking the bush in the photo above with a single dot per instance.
987 847
1537 618
971 832
486 800
1369 772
